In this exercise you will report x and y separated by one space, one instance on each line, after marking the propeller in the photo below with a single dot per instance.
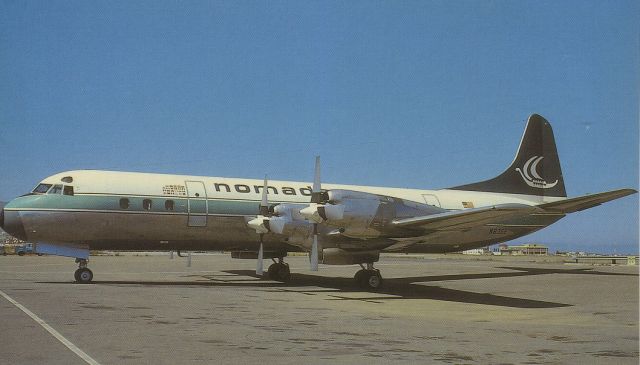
261 225
316 198
320 208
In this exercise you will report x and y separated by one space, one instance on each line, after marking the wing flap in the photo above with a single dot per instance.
585 202
466 218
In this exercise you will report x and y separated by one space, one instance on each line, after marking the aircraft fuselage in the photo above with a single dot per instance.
138 211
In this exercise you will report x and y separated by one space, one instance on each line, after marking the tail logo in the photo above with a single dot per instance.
530 174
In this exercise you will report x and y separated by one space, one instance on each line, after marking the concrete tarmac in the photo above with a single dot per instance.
436 309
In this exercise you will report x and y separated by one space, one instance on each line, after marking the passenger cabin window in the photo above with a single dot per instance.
42 188
124 203
56 189
168 205
68 190
146 204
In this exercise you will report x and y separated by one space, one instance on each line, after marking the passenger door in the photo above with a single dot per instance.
431 200
197 204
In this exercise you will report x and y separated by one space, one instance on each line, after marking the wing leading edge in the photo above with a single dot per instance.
466 218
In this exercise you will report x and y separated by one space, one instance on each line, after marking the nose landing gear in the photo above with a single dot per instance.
83 275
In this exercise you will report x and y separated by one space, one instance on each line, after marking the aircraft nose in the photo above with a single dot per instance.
12 223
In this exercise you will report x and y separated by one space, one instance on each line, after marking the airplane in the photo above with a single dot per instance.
73 212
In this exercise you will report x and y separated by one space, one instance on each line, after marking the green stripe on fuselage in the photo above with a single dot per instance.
112 203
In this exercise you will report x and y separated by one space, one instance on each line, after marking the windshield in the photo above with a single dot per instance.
42 188
56 189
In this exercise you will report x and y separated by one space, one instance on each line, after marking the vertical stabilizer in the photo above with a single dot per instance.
536 168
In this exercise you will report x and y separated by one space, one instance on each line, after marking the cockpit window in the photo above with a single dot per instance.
56 189
68 190
42 188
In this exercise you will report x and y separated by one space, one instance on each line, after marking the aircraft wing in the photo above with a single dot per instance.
585 202
467 218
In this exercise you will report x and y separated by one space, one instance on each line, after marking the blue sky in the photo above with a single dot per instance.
421 94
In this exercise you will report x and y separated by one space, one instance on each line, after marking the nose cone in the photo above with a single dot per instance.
12 223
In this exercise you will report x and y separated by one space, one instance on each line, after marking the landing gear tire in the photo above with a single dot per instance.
369 279
279 272
83 275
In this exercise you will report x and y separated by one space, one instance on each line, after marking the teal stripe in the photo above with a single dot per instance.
112 202
233 207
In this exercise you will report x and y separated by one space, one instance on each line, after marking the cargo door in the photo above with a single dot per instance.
197 203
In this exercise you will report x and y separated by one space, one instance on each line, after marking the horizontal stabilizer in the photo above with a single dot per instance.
466 218
585 202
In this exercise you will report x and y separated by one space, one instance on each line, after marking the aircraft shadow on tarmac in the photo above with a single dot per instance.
339 288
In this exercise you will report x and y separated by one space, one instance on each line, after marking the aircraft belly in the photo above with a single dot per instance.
139 231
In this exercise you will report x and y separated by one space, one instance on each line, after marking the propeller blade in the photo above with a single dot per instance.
316 177
316 197
264 211
259 267
314 249
264 204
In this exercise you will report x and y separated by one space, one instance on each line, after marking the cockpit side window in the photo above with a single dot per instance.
68 190
56 189
42 188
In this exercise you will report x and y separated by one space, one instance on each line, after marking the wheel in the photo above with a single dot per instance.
273 271
284 274
374 280
20 253
76 275
84 275
279 272
359 277
369 279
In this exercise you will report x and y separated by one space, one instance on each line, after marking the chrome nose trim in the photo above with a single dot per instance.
12 224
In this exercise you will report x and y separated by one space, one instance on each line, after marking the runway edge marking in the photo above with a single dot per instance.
83 355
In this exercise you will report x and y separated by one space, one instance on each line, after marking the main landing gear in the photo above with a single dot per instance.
369 277
83 275
279 271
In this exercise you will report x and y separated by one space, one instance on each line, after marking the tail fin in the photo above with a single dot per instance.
536 168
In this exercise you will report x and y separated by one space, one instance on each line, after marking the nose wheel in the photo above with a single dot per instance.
83 275
369 278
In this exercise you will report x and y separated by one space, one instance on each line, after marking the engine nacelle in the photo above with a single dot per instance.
278 224
288 221
359 209
369 215
260 224
319 213
337 256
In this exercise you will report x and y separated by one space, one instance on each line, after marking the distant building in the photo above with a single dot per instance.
477 251
526 249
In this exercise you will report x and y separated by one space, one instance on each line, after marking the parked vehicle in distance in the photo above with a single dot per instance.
26 248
